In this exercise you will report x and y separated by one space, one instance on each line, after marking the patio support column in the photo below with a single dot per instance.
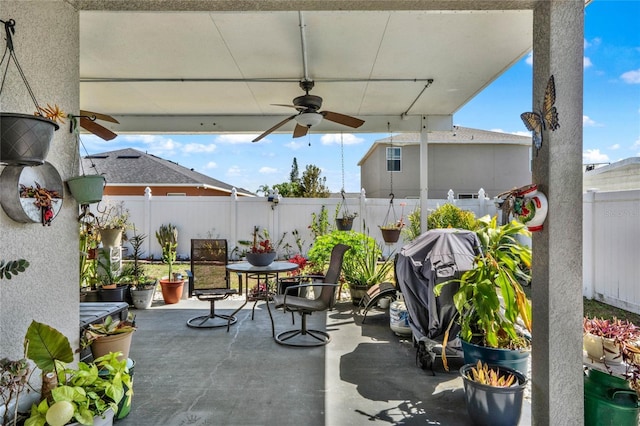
557 386
424 173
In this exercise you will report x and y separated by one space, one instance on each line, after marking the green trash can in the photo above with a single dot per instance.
609 400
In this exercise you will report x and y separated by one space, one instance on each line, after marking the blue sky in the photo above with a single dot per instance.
611 117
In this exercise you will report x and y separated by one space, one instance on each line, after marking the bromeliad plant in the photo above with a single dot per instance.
485 375
490 301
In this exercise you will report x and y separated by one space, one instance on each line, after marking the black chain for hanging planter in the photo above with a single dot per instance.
391 226
24 138
345 222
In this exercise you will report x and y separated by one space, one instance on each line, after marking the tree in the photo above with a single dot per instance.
294 176
313 186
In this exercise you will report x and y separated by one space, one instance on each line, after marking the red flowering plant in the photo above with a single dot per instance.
301 261
261 241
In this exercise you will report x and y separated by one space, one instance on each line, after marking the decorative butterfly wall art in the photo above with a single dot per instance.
545 119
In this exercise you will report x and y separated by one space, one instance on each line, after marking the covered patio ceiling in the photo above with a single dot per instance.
175 71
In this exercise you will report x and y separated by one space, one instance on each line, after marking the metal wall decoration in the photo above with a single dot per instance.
546 118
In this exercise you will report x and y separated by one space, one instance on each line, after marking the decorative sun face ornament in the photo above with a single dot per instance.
545 119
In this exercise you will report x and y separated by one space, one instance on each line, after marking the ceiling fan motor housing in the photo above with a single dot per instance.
310 102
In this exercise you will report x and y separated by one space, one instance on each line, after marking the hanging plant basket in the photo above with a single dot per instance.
87 189
25 139
390 236
344 223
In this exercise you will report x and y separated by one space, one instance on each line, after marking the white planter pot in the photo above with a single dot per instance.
600 348
142 299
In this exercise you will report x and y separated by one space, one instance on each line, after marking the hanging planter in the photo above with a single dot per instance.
345 221
390 235
25 139
87 189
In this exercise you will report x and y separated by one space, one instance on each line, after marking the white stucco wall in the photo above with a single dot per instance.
46 44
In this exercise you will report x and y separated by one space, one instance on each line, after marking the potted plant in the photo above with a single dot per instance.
391 228
142 287
111 280
112 223
493 394
604 340
344 217
489 326
261 252
88 394
172 284
365 269
109 336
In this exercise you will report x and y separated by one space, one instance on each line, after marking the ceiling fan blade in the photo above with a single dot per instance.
97 115
97 129
298 107
280 124
347 120
300 131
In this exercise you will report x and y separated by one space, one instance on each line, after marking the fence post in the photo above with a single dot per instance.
233 212
482 202
146 224
588 244
450 198
362 206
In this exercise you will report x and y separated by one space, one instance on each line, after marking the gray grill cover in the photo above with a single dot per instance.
434 257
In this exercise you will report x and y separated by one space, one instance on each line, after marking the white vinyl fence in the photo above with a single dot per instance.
233 218
611 253
611 228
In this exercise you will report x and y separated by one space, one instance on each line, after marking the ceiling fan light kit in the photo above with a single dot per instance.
309 119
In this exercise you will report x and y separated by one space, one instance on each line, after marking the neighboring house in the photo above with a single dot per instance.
622 175
130 172
462 159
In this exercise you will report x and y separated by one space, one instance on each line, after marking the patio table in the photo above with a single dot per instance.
258 273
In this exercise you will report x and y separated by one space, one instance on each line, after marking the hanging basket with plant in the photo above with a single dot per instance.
24 138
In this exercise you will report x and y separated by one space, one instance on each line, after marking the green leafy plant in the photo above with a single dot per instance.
136 272
485 375
14 376
413 229
12 267
366 268
83 393
320 223
167 237
496 275
114 216
451 216
361 244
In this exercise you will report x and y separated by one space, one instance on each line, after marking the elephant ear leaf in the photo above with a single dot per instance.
46 345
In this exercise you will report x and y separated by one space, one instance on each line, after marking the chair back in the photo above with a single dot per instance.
328 294
209 264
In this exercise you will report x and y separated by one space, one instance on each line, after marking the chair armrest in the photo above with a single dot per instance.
284 301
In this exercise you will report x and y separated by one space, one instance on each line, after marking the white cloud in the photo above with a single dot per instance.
588 122
631 77
211 165
497 130
586 62
234 171
529 59
295 145
334 138
615 146
236 138
267 170
521 133
594 156
636 143
199 147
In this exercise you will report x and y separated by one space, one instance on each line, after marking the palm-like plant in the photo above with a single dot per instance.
491 301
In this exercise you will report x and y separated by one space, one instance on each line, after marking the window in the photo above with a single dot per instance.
394 155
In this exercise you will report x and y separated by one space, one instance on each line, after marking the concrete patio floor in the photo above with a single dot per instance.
365 375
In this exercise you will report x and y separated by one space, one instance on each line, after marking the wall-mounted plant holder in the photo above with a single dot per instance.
26 209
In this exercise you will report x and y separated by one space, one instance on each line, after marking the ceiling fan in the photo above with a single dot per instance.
308 107
87 122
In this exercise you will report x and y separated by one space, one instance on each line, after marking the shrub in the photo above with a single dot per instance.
450 216
360 244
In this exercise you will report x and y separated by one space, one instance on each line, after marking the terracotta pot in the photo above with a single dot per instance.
171 291
113 343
